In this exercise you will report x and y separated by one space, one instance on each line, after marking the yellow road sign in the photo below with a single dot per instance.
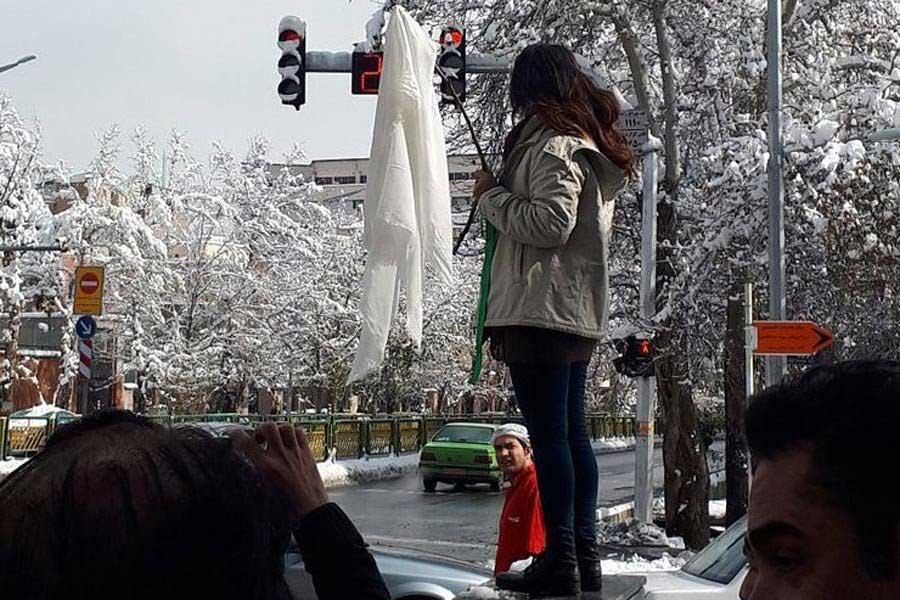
88 291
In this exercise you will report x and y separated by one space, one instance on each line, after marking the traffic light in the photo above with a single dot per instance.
292 64
637 356
452 62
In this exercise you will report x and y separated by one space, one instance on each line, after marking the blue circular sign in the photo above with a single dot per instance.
86 327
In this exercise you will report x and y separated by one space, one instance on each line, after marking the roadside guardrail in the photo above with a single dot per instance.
348 436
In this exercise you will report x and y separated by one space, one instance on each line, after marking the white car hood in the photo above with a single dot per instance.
663 585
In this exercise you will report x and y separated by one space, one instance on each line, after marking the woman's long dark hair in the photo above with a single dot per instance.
547 81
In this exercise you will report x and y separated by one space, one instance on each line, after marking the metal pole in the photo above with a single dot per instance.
775 365
341 62
646 408
21 61
32 249
84 396
749 339
749 347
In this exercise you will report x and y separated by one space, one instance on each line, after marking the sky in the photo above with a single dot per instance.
205 68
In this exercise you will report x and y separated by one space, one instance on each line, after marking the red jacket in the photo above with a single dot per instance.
521 522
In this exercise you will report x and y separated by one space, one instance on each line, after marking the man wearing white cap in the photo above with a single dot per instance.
521 522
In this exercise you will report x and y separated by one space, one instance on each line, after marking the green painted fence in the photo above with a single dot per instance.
348 436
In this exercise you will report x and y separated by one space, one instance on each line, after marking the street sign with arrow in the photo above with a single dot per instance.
86 327
790 338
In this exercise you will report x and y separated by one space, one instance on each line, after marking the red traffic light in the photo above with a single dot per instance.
452 37
289 40
645 348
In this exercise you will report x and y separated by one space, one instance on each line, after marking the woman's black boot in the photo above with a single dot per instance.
589 569
553 573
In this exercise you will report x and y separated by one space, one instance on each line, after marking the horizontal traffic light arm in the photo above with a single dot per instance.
340 62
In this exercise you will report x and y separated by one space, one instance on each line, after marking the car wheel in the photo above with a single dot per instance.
495 486
430 485
418 598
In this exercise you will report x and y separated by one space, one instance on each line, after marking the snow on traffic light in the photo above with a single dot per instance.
452 63
292 64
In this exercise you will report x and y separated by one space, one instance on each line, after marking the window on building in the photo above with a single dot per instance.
345 180
324 180
363 178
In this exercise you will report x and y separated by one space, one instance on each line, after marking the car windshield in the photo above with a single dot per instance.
464 433
724 558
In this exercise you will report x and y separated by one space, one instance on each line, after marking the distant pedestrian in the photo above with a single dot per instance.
824 515
563 164
521 522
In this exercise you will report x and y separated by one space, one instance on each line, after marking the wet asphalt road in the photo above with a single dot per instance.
462 524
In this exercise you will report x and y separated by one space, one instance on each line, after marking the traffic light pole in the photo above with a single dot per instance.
341 62
775 365
646 407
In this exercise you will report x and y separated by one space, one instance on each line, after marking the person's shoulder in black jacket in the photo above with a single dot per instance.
119 507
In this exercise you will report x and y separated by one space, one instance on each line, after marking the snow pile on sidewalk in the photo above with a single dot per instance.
337 473
637 564
716 507
42 410
635 533
626 443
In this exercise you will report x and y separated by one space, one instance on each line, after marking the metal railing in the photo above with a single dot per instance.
343 435
26 436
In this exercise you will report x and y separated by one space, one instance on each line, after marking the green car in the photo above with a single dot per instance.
460 453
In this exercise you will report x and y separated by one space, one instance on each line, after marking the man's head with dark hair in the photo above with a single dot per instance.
824 509
119 507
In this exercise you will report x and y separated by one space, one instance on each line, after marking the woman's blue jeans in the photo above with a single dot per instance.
552 401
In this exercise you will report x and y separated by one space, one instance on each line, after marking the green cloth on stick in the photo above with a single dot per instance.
490 244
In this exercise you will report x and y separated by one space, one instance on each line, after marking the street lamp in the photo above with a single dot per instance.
21 61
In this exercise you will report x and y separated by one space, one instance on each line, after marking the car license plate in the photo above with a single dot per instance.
455 472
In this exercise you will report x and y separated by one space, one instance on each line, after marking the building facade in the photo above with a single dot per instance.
342 182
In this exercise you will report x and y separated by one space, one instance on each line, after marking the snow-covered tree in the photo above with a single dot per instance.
26 277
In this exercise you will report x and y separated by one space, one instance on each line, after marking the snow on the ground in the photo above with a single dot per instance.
348 472
636 564
42 410
613 444
635 533
479 592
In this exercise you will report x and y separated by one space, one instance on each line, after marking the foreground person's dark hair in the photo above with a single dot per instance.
848 416
546 80
119 507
